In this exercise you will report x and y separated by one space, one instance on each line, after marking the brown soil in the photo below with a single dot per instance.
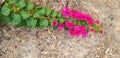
48 43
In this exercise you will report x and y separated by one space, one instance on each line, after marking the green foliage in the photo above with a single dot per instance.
21 13
20 3
0 18
62 20
5 10
59 15
29 6
42 11
24 14
37 14
82 22
54 14
31 22
50 22
87 29
43 23
48 12
37 7
11 1
22 23
96 27
16 19
6 19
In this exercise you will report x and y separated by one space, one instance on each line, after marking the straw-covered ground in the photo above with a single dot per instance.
26 42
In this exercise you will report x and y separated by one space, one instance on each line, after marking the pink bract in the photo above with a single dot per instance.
54 23
97 22
74 33
93 30
84 34
61 26
79 16
79 30
69 25
101 32
66 11
88 18
72 13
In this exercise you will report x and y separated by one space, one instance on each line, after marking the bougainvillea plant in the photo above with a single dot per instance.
25 13
81 23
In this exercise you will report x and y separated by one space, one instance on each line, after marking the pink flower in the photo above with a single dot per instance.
54 23
89 19
97 22
61 26
73 12
66 11
101 32
69 25
84 34
75 33
79 30
79 15
71 32
93 30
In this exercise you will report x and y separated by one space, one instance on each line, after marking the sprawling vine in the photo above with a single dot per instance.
25 13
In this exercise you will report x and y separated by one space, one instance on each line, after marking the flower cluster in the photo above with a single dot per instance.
78 15
78 29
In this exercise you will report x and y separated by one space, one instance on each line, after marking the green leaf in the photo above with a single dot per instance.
0 9
82 22
54 14
38 8
37 14
30 6
62 20
48 11
42 11
11 1
5 10
87 29
24 14
31 22
97 28
50 22
94 25
20 3
6 19
1 19
16 18
59 15
43 22
22 23
75 22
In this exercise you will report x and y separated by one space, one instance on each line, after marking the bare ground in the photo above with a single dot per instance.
49 43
